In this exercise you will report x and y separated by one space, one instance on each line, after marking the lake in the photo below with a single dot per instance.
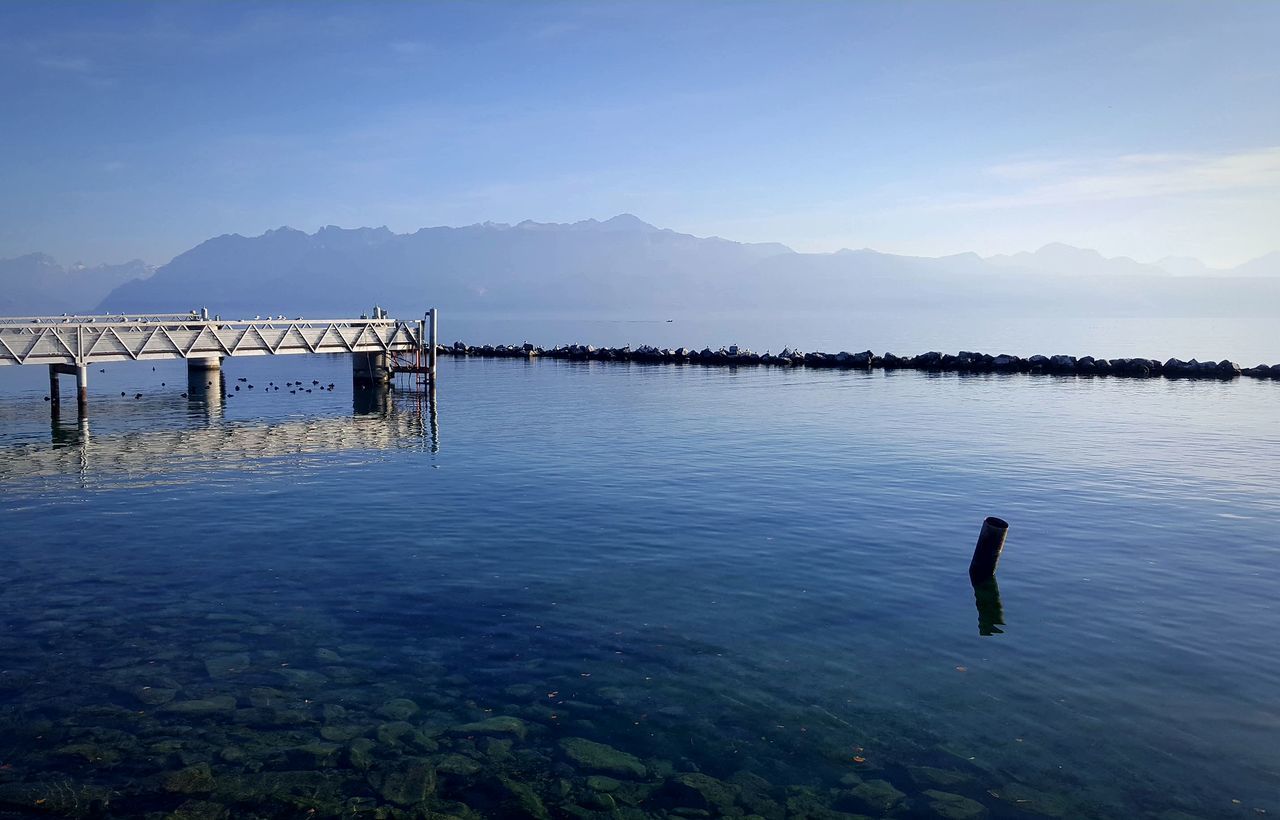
612 590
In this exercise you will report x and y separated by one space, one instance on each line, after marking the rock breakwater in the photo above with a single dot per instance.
964 361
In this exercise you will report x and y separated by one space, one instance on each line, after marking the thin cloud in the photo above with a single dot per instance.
1129 176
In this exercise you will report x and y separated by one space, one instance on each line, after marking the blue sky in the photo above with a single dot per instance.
1145 129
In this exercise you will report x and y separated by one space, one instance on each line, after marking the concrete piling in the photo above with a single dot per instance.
82 388
370 370
55 396
986 554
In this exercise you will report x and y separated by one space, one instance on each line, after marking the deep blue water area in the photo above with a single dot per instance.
609 590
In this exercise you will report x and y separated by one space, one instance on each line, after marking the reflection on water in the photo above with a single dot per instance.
204 439
990 611
628 591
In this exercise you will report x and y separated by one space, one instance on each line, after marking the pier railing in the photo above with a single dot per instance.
86 340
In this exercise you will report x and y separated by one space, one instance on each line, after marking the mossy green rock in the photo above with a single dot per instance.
930 777
91 753
600 783
804 804
398 709
342 732
455 764
876 796
522 801
598 757
197 779
408 785
954 806
702 791
154 695
498 725
221 704
394 733
319 753
360 754
227 666
265 697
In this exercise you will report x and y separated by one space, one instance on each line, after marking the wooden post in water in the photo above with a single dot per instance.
987 552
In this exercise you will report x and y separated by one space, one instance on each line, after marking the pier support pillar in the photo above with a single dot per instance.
82 388
202 366
55 396
370 370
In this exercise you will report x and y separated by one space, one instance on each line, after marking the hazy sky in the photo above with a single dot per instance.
1145 129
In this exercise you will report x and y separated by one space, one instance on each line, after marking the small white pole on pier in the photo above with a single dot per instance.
434 315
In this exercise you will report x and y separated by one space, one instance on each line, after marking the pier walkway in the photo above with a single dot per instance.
71 344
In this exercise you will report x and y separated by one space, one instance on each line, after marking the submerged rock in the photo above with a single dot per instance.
196 779
499 725
226 666
456 764
954 806
599 757
522 801
220 704
360 754
394 733
930 777
873 796
154 695
702 791
409 784
398 709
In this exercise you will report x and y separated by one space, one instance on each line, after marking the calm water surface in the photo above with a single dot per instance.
749 585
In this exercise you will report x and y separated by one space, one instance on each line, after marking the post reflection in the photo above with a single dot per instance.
990 611
370 400
151 444
206 393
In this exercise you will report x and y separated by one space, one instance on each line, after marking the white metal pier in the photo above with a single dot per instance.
70 344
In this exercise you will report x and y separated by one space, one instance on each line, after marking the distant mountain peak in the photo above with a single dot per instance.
627 222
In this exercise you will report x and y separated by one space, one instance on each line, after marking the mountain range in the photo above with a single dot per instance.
619 264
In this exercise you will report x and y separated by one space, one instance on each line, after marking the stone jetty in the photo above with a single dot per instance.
964 361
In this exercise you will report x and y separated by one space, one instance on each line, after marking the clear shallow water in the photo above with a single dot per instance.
757 575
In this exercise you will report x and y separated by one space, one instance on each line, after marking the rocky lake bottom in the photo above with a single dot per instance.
594 590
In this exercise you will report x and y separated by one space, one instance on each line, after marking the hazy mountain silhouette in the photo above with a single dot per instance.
625 264
37 284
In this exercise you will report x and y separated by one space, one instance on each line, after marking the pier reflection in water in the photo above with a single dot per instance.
203 437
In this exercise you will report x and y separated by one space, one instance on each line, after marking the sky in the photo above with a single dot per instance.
1146 129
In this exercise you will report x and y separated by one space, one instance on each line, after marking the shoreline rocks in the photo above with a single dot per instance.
936 361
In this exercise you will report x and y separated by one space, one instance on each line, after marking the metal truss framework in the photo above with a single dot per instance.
84 340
